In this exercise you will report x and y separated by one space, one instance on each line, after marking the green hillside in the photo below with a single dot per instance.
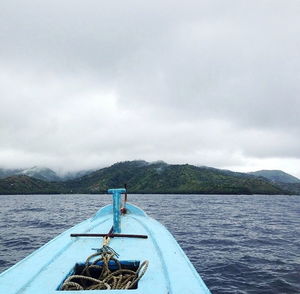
160 177
293 188
28 185
144 177
276 176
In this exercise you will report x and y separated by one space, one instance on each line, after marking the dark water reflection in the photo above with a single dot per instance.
238 244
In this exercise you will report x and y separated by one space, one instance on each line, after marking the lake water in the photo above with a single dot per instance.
238 244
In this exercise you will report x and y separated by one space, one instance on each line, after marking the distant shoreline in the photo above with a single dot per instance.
143 177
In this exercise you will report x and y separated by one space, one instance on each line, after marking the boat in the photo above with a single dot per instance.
121 247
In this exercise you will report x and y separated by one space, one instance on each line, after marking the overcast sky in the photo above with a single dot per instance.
84 84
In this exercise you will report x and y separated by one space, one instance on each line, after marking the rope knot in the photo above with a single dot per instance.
106 240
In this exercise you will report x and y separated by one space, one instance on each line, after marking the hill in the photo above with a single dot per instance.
145 177
5 173
293 188
276 176
42 173
26 185
159 177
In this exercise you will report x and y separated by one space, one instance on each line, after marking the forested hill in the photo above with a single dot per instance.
144 177
277 176
26 185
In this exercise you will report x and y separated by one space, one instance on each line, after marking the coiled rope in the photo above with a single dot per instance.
107 280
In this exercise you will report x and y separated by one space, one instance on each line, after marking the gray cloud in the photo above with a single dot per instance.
85 84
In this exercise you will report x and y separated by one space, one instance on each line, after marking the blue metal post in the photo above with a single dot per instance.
116 208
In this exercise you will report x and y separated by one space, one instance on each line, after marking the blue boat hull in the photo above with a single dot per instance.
169 270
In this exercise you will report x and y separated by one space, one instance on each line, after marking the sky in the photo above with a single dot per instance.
85 84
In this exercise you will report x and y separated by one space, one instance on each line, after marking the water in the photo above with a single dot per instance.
238 244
